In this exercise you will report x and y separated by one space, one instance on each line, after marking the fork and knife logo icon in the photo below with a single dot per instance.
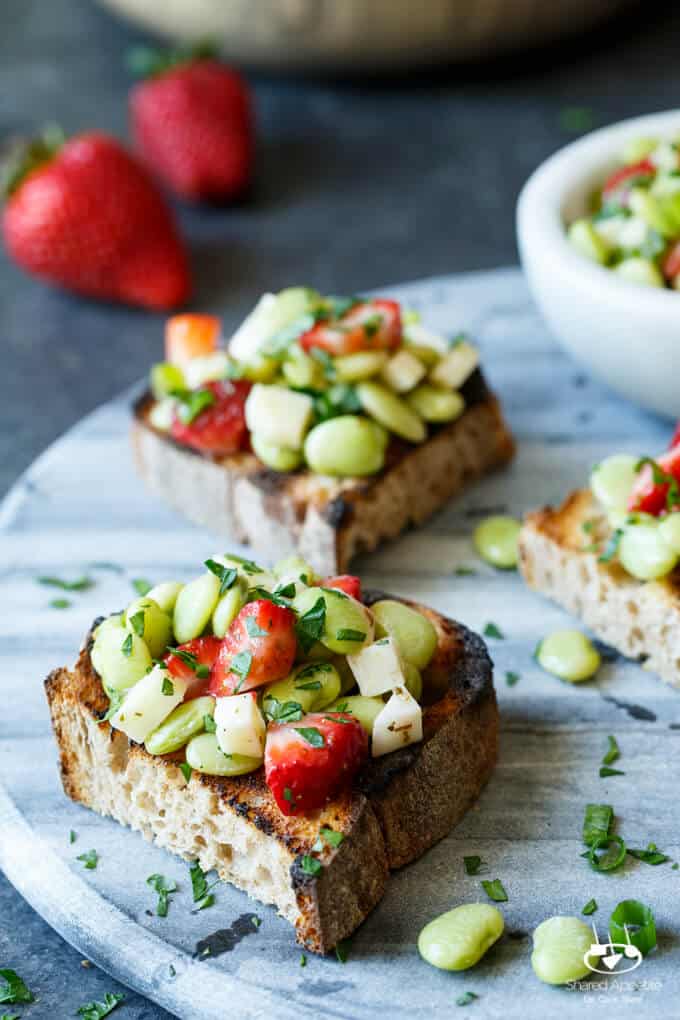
605 957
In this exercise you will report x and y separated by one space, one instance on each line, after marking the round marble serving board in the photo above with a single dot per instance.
80 509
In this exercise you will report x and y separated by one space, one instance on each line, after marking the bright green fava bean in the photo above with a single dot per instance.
560 945
347 626
495 540
414 634
301 370
145 618
181 725
313 686
435 405
347 446
165 595
569 655
203 753
278 458
118 669
459 939
391 411
644 552
195 605
612 480
365 710
228 607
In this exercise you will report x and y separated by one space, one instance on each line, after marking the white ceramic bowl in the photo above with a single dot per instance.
627 334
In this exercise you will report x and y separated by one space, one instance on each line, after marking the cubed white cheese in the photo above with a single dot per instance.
205 369
622 231
377 667
148 703
403 371
279 415
240 725
416 333
398 724
162 414
456 366
254 331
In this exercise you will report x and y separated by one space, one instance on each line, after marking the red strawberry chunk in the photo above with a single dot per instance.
258 649
308 762
367 326
627 177
221 427
349 583
675 441
650 496
193 662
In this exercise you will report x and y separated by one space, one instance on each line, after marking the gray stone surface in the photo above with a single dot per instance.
358 185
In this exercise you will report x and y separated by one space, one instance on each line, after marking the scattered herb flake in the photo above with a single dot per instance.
163 887
126 647
12 988
511 678
136 621
60 603
209 724
310 865
606 771
193 402
472 864
347 634
288 795
116 699
248 565
492 630
611 547
282 711
303 960
226 575
285 591
186 770
342 950
80 584
97 1010
494 890
255 921
590 908
649 856
72 836
312 735
309 627
613 752
240 664
597 822
674 867
141 585
466 998
661 477
463 571
90 859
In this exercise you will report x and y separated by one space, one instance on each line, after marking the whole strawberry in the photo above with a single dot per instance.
192 120
86 216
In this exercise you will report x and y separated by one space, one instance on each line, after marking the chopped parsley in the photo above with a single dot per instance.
282 711
192 403
463 571
597 822
309 685
209 724
606 772
262 593
511 678
472 864
312 735
338 399
492 630
202 670
141 585
248 565
89 859
226 575
200 890
240 665
116 699
347 634
466 998
126 647
97 1010
253 629
329 837
285 591
72 836
12 988
309 627
613 752
652 855
80 584
310 865
303 960
590 908
186 770
60 603
163 887
136 621
288 796
312 669
342 950
495 890
661 477
611 548
167 687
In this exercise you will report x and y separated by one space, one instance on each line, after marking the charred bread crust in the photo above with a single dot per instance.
327 521
640 619
399 806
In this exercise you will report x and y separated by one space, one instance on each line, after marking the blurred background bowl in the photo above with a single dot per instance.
365 35
625 333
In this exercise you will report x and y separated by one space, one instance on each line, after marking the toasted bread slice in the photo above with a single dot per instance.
326 520
399 806
641 619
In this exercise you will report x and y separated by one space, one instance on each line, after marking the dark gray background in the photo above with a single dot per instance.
359 184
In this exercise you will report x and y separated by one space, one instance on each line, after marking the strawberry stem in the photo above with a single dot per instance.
24 155
149 62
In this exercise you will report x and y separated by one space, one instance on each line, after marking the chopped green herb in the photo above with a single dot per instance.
343 706
186 770
464 571
303 960
613 752
310 865
240 664
472 864
612 856
611 547
285 591
674 867
606 771
372 325
136 621
590 908
72 836
312 669
288 796
326 362
163 887
338 399
9 1016
226 575
494 890
116 699
192 403
313 736
200 889
261 593
511 679
329 836
253 629
255 920
141 585
576 119
248 565
80 584
309 685
60 603
89 859
126 647
209 724
342 950
12 988
167 687
310 625
97 1010
587 526
347 634
492 630
597 822
282 711
661 477
649 856
466 998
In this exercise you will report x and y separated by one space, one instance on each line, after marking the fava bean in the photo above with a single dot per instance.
644 552
261 369
496 541
347 625
612 480
415 635
428 356
295 566
391 411
669 529
459 939
365 710
348 446
313 686
638 270
356 367
434 404
585 238
204 755
569 655
195 605
278 458
302 371
183 723
166 379
165 595
228 607
560 945
146 619
121 658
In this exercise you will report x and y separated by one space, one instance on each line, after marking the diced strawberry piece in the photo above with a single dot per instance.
190 336
349 583
671 262
675 441
221 427
193 662
307 762
651 497
367 326
626 177
258 648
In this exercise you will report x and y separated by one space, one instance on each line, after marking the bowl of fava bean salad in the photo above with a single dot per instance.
599 235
